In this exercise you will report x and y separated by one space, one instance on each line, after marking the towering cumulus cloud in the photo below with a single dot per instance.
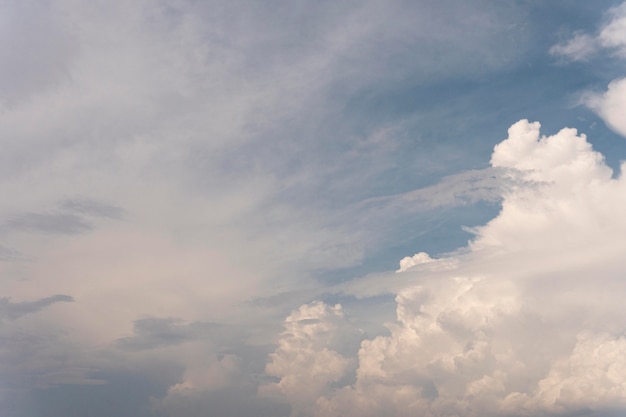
525 321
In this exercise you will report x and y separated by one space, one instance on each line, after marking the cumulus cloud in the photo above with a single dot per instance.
313 355
527 320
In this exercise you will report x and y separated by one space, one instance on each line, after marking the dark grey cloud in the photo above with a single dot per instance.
90 207
12 311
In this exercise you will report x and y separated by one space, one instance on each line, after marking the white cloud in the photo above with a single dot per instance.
610 105
312 353
410 261
583 46
613 35
528 320
578 48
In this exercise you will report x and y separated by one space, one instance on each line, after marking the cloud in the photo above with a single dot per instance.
527 320
92 207
578 48
10 310
53 223
8 254
312 356
209 128
241 402
455 190
611 35
609 105
35 48
152 333
70 219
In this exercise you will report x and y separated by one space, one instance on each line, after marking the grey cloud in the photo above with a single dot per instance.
459 190
12 311
70 220
132 390
35 50
92 208
462 189
238 401
153 332
49 223
8 254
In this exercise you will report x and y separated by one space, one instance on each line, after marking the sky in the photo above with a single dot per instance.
312 208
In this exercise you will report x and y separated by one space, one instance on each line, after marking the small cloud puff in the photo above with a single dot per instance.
410 261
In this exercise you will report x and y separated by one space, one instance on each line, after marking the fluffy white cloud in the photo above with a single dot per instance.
313 353
410 261
527 320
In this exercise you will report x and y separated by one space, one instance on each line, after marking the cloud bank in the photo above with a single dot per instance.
526 321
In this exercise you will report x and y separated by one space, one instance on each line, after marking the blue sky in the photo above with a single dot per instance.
306 209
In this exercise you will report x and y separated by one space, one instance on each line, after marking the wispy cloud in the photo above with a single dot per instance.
611 104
